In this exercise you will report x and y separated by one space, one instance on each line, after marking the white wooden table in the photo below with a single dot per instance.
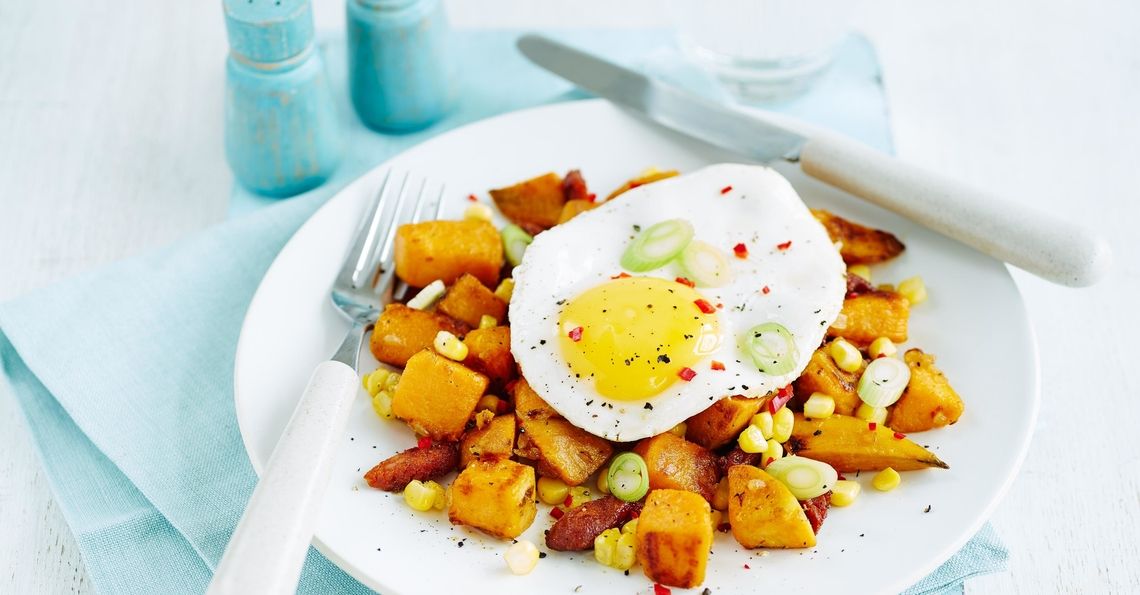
110 144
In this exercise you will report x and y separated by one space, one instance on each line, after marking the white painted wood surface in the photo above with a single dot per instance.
110 144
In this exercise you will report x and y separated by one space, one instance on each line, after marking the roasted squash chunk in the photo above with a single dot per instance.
495 496
869 316
496 439
437 396
763 512
573 207
720 424
468 301
674 536
445 250
402 332
646 177
562 449
860 244
489 352
535 204
822 376
677 464
850 444
928 401
528 405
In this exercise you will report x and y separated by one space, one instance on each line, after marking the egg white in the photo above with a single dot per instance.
806 282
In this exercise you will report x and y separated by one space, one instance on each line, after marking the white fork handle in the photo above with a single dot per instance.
268 548
1057 250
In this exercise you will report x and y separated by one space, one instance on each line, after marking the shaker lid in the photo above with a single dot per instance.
268 30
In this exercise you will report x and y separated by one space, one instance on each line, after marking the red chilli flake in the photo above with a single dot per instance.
719 306
568 501
718 366
872 425
684 281
705 306
726 190
899 435
784 246
765 290
575 334
780 399
592 197
660 589
424 442
686 374
557 512
747 567
472 198
769 461
740 250
620 276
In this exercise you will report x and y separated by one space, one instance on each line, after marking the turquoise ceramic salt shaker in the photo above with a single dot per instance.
400 75
282 132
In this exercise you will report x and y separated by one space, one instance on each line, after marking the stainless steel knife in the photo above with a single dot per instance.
1039 243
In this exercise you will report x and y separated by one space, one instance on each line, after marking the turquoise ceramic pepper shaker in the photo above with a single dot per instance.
400 72
282 132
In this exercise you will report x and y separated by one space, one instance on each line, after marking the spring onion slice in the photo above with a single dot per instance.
628 477
656 245
772 348
428 295
705 265
515 242
883 382
806 478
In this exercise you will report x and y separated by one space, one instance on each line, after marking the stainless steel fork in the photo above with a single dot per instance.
268 548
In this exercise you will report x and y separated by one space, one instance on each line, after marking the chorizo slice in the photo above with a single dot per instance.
394 473
736 456
578 528
816 510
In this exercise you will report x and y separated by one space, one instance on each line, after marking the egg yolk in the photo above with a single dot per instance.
634 335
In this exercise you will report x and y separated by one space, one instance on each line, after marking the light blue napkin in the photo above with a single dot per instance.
125 374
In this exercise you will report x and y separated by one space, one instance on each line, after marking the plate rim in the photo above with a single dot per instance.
904 580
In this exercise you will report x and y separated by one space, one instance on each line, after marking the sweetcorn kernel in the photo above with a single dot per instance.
819 406
752 441
604 480
720 496
763 421
488 403
579 495
913 289
846 356
872 414
478 211
419 495
505 289
374 381
679 429
844 492
882 347
860 270
382 404
717 517
488 321
391 380
630 527
449 346
521 557
782 423
774 452
552 491
625 551
604 546
886 480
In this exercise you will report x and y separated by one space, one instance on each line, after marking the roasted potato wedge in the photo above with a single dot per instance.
849 444
489 353
674 536
677 464
534 204
763 512
928 401
646 177
869 316
468 300
860 244
445 250
564 450
495 496
402 332
822 376
720 424
496 439
436 396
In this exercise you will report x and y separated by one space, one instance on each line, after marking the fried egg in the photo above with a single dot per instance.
628 355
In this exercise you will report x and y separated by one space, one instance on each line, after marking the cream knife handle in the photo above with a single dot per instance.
1051 248
268 548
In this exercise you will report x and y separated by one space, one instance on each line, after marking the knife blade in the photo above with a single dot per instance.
680 110
1052 248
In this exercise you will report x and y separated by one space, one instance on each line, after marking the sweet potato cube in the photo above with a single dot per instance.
822 375
489 353
495 496
928 401
402 332
867 317
851 444
535 204
859 244
468 300
763 512
437 396
674 537
496 439
528 405
720 424
564 450
573 207
446 250
677 464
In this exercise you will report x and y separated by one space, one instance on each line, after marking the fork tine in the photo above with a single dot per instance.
363 243
439 201
400 291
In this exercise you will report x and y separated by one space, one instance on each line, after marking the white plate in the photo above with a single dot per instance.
974 322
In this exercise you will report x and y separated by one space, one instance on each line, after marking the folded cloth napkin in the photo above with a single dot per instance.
125 374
